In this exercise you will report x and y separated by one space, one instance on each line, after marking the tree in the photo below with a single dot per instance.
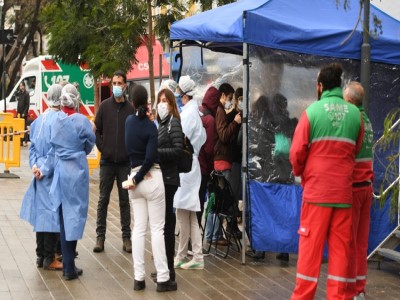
103 33
26 24
389 142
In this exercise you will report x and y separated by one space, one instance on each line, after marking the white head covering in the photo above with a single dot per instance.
187 85
70 96
53 95
168 84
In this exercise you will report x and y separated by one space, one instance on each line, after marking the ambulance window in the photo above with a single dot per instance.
30 83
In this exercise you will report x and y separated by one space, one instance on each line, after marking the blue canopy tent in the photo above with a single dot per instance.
309 28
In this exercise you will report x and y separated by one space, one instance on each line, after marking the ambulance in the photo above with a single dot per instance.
40 73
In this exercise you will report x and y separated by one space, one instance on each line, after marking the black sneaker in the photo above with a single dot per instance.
78 271
139 285
39 261
167 286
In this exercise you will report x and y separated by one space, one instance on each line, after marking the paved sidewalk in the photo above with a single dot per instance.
109 275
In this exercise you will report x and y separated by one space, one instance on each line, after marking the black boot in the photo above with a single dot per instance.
171 276
283 256
259 255
139 285
167 286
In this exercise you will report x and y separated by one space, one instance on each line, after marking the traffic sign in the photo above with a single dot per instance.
7 36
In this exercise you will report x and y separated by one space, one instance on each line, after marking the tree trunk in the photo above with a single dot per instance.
20 49
150 50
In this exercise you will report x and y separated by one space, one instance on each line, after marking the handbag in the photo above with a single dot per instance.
186 159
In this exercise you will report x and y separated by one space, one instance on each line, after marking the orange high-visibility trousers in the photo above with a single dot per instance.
317 225
362 199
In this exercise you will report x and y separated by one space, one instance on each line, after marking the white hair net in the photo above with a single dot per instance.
187 85
70 96
53 95
168 84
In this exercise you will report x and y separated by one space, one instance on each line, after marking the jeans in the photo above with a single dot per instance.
148 203
189 229
108 173
212 236
169 227
68 249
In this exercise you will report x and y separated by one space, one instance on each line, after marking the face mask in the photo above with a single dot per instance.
178 99
117 91
228 104
162 110
240 105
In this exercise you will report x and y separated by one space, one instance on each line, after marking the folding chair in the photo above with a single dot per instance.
225 207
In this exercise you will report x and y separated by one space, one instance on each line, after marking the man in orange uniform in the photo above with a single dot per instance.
326 140
362 198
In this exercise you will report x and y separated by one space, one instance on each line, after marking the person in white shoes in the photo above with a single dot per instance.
186 200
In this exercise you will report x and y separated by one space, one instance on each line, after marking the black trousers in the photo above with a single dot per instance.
46 244
109 173
169 227
202 195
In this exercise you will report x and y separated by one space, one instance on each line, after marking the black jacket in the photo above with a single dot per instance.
23 104
170 145
110 130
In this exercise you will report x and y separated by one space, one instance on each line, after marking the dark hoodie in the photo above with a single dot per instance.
208 109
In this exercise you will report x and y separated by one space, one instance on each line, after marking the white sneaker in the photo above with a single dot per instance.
178 263
360 296
193 265
190 253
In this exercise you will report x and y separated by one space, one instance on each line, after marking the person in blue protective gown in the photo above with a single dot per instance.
72 139
36 205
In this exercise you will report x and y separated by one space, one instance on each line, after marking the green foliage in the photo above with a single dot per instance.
103 33
207 4
374 32
390 141
174 11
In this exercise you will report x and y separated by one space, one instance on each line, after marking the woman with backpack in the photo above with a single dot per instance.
170 144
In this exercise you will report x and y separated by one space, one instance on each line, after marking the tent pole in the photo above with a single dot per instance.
366 57
244 144
170 60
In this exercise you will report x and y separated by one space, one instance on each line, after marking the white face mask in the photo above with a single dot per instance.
228 104
240 105
162 110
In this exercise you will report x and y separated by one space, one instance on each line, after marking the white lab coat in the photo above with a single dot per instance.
187 195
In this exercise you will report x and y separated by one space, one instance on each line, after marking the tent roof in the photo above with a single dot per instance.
308 26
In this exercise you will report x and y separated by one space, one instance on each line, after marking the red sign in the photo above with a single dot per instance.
141 69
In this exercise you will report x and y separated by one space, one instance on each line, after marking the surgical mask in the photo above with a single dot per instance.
117 91
228 104
240 105
178 98
162 110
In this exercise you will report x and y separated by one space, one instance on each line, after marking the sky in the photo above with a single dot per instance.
391 7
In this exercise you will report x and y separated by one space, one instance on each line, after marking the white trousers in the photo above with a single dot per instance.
148 204
189 228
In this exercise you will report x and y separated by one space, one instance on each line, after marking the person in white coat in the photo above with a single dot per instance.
186 200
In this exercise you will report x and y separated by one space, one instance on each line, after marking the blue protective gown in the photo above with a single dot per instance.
37 206
72 139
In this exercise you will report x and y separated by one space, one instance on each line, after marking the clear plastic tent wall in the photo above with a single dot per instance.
281 86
